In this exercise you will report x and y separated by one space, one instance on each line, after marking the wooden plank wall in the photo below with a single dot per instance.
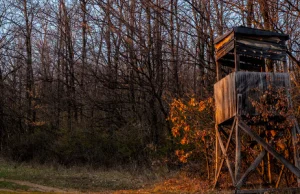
261 47
225 98
224 46
250 85
254 84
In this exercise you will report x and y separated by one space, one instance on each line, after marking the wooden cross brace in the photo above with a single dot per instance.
238 182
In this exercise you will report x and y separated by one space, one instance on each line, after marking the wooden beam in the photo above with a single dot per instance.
217 153
296 125
226 157
226 135
218 70
224 50
227 146
236 58
279 177
285 68
278 55
261 44
296 151
268 148
237 138
252 167
224 41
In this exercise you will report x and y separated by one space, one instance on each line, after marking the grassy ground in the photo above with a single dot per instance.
36 179
83 179
13 186
76 178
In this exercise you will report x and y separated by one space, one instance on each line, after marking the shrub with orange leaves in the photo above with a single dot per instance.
273 108
192 128
274 112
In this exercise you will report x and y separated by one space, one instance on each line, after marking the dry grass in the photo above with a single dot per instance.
13 186
84 179
77 178
178 183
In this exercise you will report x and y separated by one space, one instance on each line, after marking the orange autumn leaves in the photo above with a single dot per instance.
273 110
273 107
192 124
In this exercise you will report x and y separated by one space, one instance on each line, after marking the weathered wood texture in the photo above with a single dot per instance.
250 32
224 46
225 98
251 85
254 48
270 149
246 63
250 169
263 48
225 156
250 43
229 140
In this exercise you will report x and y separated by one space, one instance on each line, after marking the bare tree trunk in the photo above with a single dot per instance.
108 40
174 46
69 68
250 16
265 11
2 128
30 92
132 58
219 7
200 49
83 4
60 62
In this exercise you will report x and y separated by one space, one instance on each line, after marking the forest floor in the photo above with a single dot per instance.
31 178
45 179
173 185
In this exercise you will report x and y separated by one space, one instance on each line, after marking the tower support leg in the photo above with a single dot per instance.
219 163
296 150
269 149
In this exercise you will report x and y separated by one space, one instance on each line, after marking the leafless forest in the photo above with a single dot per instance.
91 82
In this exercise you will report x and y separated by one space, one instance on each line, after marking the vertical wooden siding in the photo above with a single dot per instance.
225 98
254 84
250 85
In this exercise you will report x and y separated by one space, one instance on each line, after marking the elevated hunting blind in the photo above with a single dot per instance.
257 62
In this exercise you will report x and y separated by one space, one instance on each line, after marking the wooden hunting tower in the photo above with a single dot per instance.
248 61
